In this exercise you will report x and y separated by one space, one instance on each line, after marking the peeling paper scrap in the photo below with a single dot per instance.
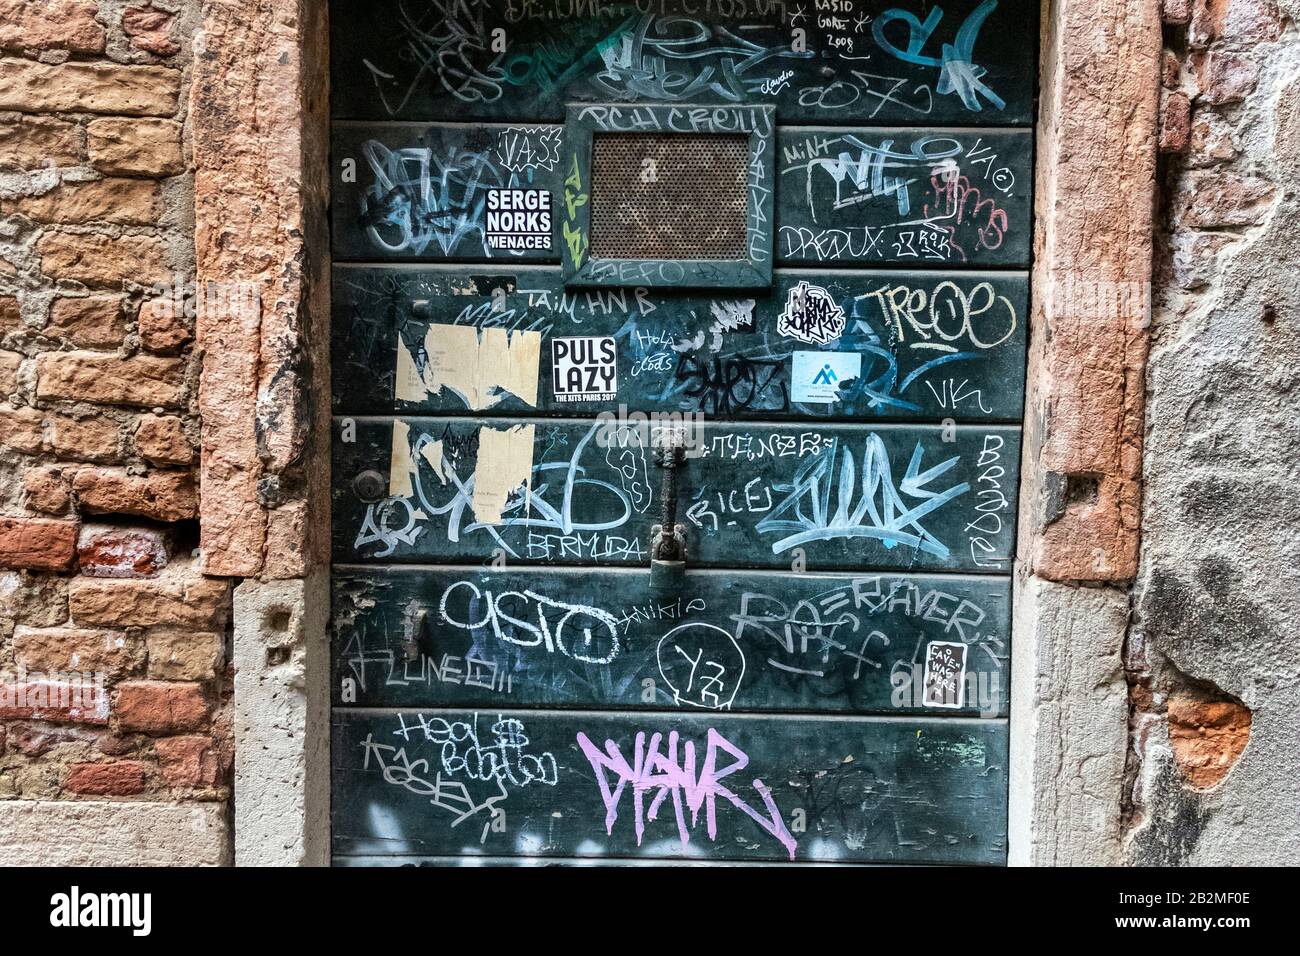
432 453
408 386
400 463
522 354
505 461
480 365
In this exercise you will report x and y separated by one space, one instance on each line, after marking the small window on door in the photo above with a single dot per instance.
667 196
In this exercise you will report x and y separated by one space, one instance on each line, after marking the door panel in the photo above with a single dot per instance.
755 270
927 198
594 784
725 640
932 345
898 62
834 496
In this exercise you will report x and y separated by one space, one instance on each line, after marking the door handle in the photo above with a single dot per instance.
668 538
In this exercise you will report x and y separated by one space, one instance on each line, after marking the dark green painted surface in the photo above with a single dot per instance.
722 640
919 198
707 786
933 345
961 63
902 200
420 191
837 496
923 197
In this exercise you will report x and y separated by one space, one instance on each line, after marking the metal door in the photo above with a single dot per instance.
678 369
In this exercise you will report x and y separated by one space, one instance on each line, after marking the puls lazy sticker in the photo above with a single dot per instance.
584 368
815 377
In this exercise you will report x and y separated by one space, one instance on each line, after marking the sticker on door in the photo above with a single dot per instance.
816 377
584 368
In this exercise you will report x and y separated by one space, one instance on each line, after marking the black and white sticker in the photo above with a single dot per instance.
811 315
945 674
584 368
518 219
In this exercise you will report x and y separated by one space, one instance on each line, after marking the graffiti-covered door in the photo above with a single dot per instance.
678 368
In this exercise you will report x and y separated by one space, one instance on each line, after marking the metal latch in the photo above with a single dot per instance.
668 538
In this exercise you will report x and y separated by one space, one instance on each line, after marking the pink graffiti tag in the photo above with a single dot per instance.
663 773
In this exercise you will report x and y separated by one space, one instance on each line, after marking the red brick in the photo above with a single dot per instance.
188 654
178 597
1238 21
1228 77
102 261
34 597
1177 12
37 544
21 428
141 380
93 438
30 142
48 489
10 362
93 322
1207 737
51 25
108 551
74 87
118 778
160 707
161 440
162 326
38 739
51 649
188 761
49 700
160 495
133 202
11 318
1175 122
150 29
135 147
1211 199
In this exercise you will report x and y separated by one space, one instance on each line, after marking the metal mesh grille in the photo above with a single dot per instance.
668 196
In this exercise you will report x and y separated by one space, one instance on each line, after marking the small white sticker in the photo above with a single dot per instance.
811 315
584 368
816 376
518 219
945 674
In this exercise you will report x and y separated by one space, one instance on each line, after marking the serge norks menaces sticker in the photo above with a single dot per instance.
518 219
584 368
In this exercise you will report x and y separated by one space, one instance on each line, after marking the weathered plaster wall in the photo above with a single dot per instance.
1213 662
1077 535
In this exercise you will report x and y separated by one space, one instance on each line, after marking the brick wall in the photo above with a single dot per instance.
98 424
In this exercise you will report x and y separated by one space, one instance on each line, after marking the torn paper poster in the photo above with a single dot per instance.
505 462
480 366
401 466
